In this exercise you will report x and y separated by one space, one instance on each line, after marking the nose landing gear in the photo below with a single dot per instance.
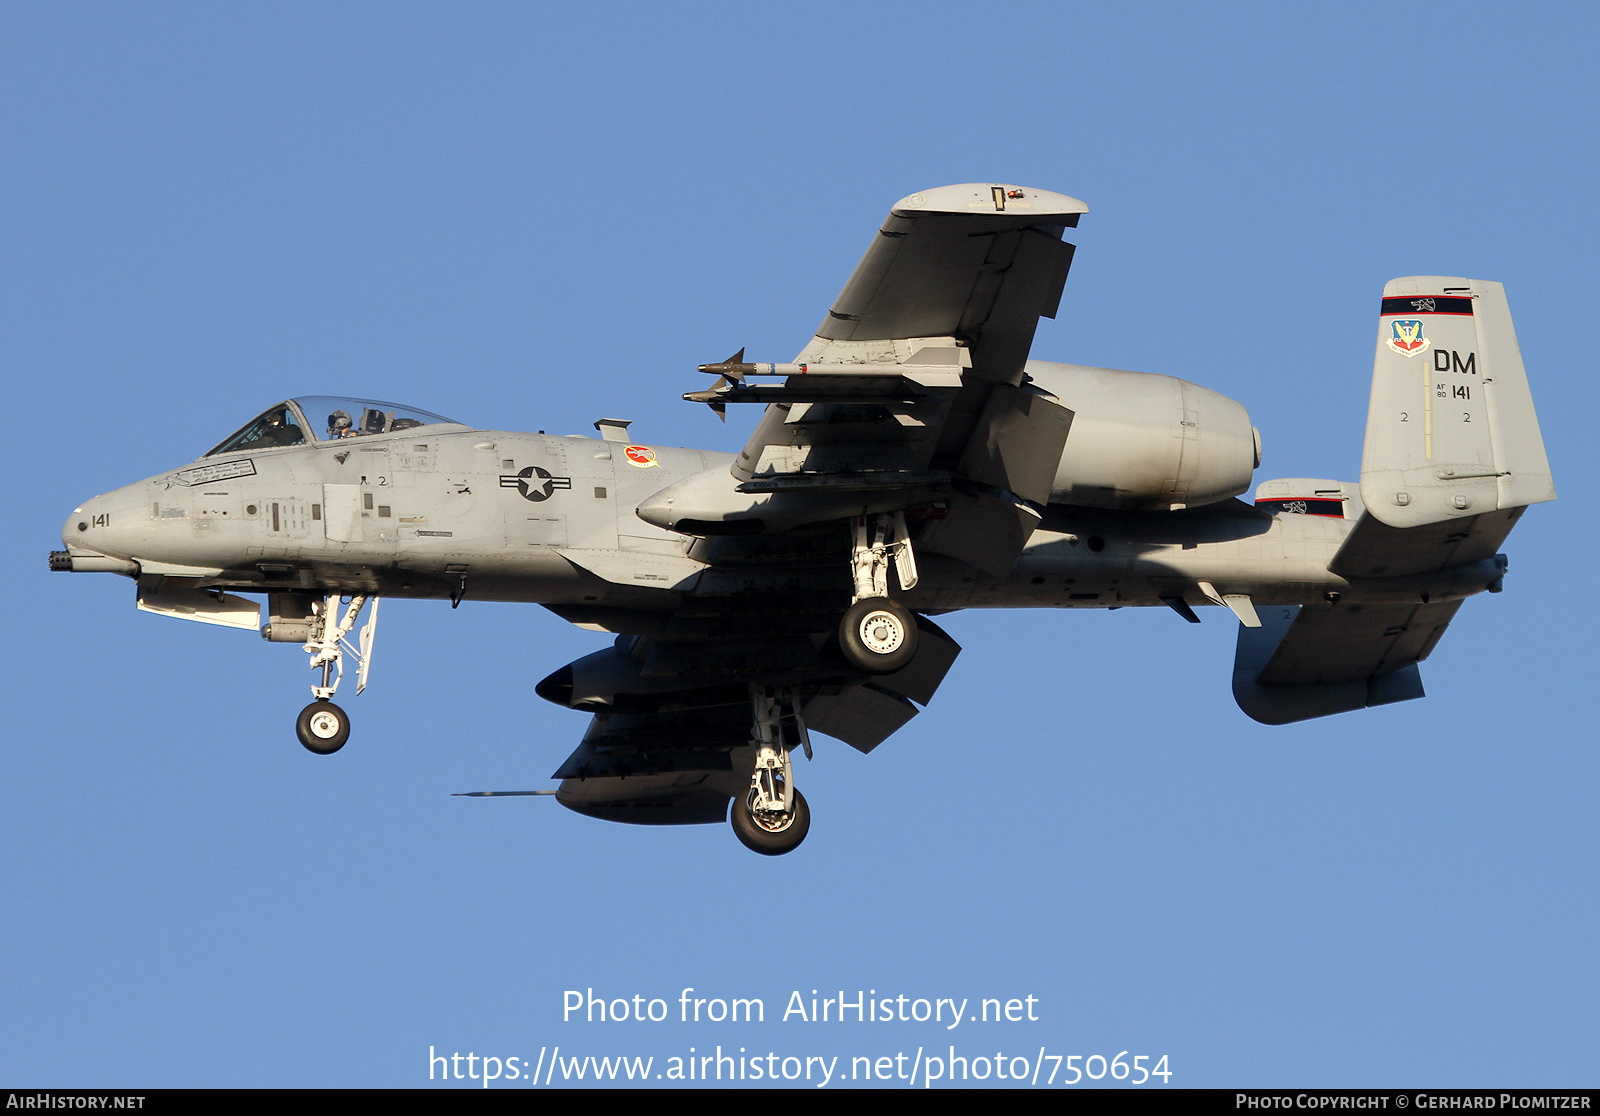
322 726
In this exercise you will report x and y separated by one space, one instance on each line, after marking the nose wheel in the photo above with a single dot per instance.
323 727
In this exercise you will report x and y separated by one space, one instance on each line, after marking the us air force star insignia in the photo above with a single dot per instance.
535 483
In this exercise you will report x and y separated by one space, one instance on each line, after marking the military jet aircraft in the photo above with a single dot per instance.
910 461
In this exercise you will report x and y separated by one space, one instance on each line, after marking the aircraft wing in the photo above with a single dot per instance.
913 388
978 264
670 740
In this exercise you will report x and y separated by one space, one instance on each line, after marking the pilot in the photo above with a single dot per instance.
340 425
281 431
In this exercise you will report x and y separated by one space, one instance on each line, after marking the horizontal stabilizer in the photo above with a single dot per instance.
1312 662
1355 642
1451 429
1373 549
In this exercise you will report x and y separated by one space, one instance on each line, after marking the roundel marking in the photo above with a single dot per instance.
535 483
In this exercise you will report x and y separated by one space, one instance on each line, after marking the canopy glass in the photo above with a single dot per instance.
322 418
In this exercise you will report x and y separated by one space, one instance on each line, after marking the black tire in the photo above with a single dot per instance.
878 636
764 837
318 732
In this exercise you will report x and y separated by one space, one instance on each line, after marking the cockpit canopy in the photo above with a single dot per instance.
324 418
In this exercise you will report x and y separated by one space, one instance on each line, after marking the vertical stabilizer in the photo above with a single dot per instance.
1451 430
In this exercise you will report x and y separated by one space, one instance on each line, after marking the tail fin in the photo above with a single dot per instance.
1453 456
1451 430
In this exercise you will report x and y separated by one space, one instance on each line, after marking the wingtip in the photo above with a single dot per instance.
969 197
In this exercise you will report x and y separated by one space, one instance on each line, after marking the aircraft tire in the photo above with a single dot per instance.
878 636
762 838
323 727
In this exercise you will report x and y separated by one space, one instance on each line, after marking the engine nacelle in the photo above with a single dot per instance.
1143 440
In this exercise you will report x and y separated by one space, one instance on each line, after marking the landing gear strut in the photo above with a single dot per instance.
322 726
772 818
879 635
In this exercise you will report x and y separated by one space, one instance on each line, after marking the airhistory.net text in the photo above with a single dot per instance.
860 1006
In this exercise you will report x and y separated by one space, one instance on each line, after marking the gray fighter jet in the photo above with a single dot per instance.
910 461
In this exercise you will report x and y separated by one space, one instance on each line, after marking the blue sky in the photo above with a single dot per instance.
527 218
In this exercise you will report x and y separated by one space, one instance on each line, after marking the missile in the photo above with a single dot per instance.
736 371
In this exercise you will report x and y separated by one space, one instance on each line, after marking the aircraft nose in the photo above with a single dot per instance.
74 533
107 523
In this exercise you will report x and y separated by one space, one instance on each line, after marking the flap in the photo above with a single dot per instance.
863 716
986 530
1017 443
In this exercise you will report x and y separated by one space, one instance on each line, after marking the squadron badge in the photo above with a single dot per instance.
1405 336
641 457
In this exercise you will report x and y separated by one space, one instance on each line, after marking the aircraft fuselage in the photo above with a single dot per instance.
453 513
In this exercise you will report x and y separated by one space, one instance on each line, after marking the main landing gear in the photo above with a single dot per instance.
322 726
772 818
879 635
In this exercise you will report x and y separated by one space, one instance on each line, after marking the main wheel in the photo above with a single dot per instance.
770 833
323 727
878 636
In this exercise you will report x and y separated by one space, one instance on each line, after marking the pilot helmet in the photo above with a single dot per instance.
339 422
